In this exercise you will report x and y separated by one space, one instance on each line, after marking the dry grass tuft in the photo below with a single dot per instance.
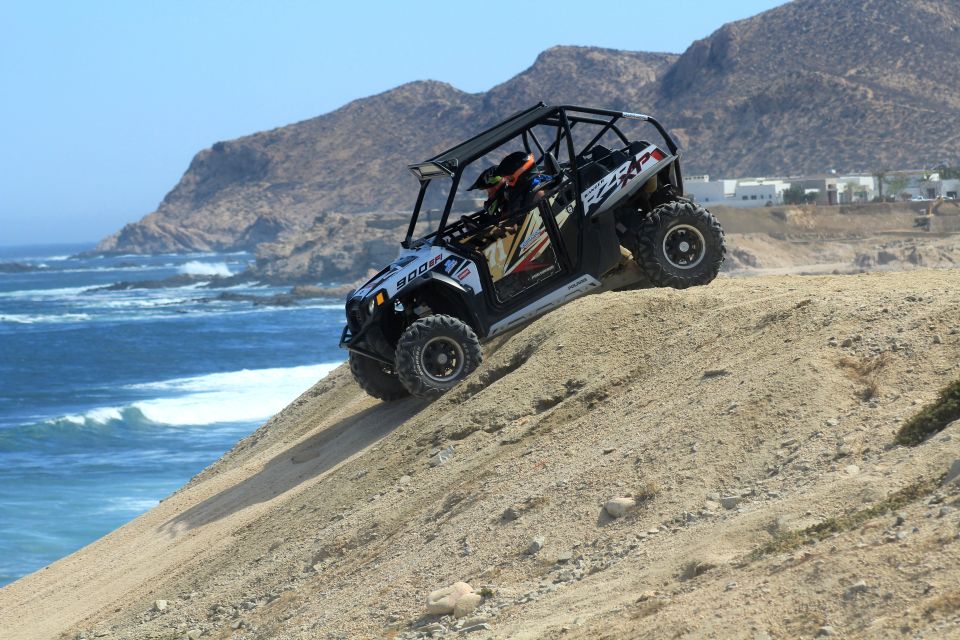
866 371
646 608
944 604
695 569
646 491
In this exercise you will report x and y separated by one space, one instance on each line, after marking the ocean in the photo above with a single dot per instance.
110 400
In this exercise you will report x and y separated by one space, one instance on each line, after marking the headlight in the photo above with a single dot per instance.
376 301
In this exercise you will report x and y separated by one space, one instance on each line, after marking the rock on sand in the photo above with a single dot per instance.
442 601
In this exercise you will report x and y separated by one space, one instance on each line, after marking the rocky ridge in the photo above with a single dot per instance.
805 87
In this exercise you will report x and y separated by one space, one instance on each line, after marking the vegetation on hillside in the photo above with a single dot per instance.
933 417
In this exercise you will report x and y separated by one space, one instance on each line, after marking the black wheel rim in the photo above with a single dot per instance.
684 246
442 359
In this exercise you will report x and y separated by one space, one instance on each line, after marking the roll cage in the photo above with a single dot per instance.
451 163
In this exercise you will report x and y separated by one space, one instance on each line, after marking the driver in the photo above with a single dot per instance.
490 180
512 189
524 187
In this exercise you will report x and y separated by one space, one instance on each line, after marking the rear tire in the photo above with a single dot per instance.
679 244
435 353
376 378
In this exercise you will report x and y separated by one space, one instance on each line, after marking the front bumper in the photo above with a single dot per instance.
355 343
346 338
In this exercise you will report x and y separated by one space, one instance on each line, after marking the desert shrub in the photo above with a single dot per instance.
790 540
646 491
867 372
933 417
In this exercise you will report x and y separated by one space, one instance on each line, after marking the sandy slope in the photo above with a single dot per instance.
845 239
745 389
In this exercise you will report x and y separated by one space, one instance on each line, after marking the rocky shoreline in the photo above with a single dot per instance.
19 267
291 298
348 248
296 294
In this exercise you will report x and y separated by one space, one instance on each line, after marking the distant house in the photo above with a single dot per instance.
855 189
918 183
760 192
825 186
950 189
701 189
745 193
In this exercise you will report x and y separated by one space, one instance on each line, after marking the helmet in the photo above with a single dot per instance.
488 179
514 165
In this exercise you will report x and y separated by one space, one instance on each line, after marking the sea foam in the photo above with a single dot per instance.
24 318
197 268
128 504
248 395
62 292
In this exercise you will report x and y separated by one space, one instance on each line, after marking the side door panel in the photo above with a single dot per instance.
524 258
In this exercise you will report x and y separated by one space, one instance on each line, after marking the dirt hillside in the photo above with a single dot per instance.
751 422
845 239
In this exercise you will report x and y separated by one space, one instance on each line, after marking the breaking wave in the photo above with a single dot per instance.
25 318
141 303
45 293
197 268
249 395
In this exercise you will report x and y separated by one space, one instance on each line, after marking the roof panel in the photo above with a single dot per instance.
480 143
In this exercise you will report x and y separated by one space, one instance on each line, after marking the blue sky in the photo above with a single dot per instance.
103 104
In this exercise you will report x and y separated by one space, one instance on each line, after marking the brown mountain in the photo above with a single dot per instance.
817 84
811 85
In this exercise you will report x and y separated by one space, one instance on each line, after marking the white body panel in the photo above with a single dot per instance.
613 187
426 259
559 296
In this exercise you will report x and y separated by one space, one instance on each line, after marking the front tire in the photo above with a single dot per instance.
680 244
435 353
376 378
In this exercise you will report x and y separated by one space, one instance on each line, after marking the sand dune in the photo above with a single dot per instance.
733 414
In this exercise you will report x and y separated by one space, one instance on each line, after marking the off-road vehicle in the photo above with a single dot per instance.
475 272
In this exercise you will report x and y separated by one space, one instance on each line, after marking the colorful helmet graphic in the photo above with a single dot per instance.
488 179
515 165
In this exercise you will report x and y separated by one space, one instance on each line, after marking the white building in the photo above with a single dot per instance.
701 189
856 189
904 185
759 192
950 188
823 189
746 193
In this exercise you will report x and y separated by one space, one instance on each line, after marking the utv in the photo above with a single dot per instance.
550 231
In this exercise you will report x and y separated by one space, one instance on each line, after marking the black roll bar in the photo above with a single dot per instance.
565 117
671 145
450 198
416 214
607 127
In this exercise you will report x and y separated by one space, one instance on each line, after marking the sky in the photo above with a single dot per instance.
104 103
